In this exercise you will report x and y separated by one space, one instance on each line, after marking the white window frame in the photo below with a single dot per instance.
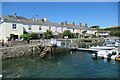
40 28
14 26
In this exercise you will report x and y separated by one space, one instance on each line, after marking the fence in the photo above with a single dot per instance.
71 45
43 42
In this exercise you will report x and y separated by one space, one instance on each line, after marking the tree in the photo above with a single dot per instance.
76 35
34 36
84 32
67 33
26 36
93 36
97 27
48 34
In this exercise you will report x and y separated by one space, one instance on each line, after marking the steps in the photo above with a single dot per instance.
44 52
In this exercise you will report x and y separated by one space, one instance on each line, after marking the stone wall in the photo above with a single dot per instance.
17 51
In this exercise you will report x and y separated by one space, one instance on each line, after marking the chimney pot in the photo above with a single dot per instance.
73 23
15 14
45 19
62 23
80 24
65 23
86 25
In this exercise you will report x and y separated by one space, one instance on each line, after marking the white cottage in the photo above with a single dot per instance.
13 26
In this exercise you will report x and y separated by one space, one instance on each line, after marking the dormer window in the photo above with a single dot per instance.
14 26
34 19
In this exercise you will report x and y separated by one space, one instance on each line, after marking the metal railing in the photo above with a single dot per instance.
42 42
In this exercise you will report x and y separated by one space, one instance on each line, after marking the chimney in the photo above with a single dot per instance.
15 14
86 25
80 24
73 23
62 23
45 20
66 23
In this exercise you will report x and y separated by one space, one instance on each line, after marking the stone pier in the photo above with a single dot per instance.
17 51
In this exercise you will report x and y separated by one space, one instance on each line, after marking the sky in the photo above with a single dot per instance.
104 14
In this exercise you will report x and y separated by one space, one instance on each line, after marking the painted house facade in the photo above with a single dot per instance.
12 26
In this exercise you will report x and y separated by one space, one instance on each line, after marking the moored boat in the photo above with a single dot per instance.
105 54
102 47
117 58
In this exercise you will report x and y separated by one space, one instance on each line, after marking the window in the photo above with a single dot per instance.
14 26
29 27
40 28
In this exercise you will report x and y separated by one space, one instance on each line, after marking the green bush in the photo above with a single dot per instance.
87 40
34 36
86 36
69 34
66 33
26 36
48 34
94 36
84 32
29 36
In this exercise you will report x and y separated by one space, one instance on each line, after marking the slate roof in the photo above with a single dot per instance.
20 19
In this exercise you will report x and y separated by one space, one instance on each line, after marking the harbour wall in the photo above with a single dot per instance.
18 51
31 49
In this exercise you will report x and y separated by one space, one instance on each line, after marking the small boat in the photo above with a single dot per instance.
105 54
102 47
117 58
117 44
110 44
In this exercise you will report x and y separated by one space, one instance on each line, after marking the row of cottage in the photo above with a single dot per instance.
12 26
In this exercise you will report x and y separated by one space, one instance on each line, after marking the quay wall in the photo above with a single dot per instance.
17 51
32 49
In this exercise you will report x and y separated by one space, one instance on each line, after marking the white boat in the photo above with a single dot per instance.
106 54
117 44
109 44
102 48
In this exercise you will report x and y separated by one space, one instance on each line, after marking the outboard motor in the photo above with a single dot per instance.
114 53
109 57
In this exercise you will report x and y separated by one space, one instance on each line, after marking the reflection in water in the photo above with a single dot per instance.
64 65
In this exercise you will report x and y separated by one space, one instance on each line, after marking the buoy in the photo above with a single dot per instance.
71 52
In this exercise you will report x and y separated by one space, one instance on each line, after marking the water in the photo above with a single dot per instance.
64 65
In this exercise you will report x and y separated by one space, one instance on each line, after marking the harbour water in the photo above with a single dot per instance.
77 64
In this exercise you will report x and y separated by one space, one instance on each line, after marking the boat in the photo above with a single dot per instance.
117 58
111 44
106 54
102 47
117 44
